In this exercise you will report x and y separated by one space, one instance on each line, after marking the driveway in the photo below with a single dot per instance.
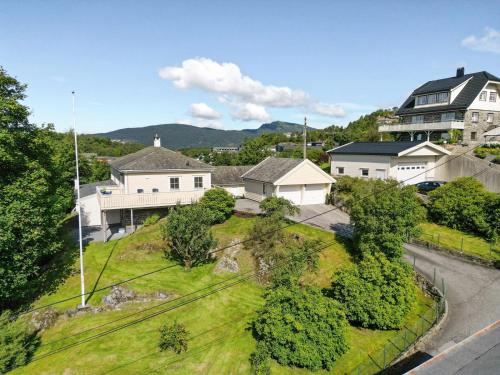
333 220
472 291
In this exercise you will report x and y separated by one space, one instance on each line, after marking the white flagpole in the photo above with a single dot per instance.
77 183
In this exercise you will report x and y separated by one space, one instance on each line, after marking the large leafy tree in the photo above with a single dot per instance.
30 207
220 204
376 293
300 327
384 216
187 231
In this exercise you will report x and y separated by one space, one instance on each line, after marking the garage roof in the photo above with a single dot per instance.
229 175
374 148
271 169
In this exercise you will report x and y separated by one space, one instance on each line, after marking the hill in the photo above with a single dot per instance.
176 136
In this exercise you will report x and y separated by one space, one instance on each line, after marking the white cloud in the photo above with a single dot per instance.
250 112
330 110
226 78
202 110
490 42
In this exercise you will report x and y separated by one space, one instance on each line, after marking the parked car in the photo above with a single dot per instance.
427 186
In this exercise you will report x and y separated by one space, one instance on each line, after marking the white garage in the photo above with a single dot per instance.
411 173
298 180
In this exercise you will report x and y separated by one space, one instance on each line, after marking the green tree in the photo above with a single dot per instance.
187 231
461 204
174 336
300 327
384 216
377 293
219 202
278 206
254 151
17 342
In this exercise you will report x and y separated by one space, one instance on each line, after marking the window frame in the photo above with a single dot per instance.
493 96
490 115
339 172
178 183
362 172
195 182
473 136
140 191
473 118
483 96
155 190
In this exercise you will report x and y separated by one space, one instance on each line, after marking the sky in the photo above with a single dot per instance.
236 64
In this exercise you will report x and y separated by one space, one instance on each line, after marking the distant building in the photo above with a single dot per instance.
285 146
226 149
317 144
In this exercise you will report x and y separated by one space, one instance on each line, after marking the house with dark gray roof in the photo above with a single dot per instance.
145 182
465 105
298 180
407 162
229 178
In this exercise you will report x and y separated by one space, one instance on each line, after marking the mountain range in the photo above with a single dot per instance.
176 136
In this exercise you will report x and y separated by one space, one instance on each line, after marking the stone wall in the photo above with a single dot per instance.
478 127
141 214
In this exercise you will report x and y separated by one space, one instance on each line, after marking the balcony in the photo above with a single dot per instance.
422 127
115 198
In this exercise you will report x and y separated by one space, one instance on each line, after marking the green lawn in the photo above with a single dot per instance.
220 342
452 239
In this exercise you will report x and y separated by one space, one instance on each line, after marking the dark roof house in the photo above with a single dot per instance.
229 175
271 169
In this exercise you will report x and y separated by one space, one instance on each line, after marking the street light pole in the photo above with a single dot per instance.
77 186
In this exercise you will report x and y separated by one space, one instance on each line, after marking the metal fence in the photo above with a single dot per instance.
462 244
381 360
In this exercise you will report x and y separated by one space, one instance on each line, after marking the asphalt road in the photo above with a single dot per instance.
472 291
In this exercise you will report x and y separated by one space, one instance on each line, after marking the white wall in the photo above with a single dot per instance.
236 190
253 190
161 181
457 90
91 212
487 105
353 163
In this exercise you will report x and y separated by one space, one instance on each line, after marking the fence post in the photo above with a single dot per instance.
414 261
462 245
434 278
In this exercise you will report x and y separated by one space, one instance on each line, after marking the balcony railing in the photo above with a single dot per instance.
115 198
425 126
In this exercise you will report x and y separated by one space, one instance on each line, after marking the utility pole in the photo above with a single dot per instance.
305 138
77 186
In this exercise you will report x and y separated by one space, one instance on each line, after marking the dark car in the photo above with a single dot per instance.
426 186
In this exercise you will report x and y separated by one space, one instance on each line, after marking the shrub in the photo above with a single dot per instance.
377 293
219 202
174 337
150 220
17 342
460 204
300 327
278 206
260 360
384 217
187 232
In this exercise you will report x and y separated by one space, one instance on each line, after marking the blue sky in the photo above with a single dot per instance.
234 64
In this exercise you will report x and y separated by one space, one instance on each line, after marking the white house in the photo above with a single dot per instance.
298 180
410 162
229 178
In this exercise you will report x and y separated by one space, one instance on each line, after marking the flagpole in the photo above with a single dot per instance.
77 183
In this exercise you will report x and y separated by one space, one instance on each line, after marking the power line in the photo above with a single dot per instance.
242 241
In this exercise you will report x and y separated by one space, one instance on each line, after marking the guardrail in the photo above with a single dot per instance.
442 125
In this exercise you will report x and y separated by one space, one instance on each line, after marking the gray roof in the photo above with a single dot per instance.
229 175
463 99
157 159
89 189
272 169
373 148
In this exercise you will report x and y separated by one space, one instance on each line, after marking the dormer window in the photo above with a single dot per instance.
493 96
441 97
482 96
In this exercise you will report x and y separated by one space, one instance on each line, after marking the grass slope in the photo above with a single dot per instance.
220 342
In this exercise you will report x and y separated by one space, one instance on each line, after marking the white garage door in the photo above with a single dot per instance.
313 194
411 173
290 192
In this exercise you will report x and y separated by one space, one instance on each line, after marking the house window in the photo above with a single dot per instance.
482 96
198 182
448 116
475 116
174 183
473 136
489 117
422 100
140 191
443 97
155 190
340 170
431 99
493 96
417 119
364 172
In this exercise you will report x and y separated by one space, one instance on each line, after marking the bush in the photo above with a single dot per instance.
300 327
219 202
187 232
150 220
377 293
461 204
17 342
260 361
384 217
278 206
174 337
